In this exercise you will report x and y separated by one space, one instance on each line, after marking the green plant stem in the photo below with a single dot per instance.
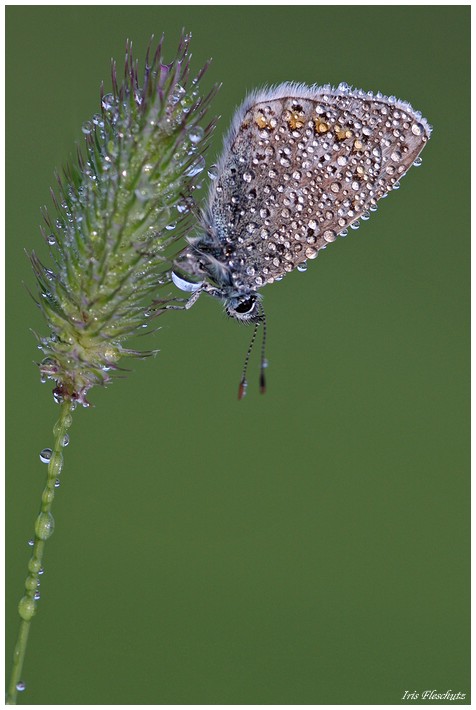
44 527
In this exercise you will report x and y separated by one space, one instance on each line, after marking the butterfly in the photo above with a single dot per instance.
300 165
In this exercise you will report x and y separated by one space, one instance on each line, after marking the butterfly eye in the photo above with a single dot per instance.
246 306
243 308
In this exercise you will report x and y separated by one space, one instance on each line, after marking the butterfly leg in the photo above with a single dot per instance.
174 303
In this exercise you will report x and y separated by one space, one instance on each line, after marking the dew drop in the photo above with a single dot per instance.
31 542
188 100
108 102
65 441
44 526
329 235
196 167
213 172
58 395
20 686
87 128
45 455
26 608
196 134
182 207
178 93
51 239
34 565
418 162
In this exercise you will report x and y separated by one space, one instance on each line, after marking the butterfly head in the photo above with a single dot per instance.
242 306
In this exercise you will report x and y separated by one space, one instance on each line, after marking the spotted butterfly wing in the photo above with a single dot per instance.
299 166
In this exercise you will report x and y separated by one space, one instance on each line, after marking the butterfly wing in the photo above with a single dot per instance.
300 165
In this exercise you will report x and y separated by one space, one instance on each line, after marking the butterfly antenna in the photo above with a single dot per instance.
243 382
264 362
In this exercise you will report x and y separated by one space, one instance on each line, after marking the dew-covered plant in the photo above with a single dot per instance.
118 209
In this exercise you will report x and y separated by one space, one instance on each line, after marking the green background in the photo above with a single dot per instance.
310 546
